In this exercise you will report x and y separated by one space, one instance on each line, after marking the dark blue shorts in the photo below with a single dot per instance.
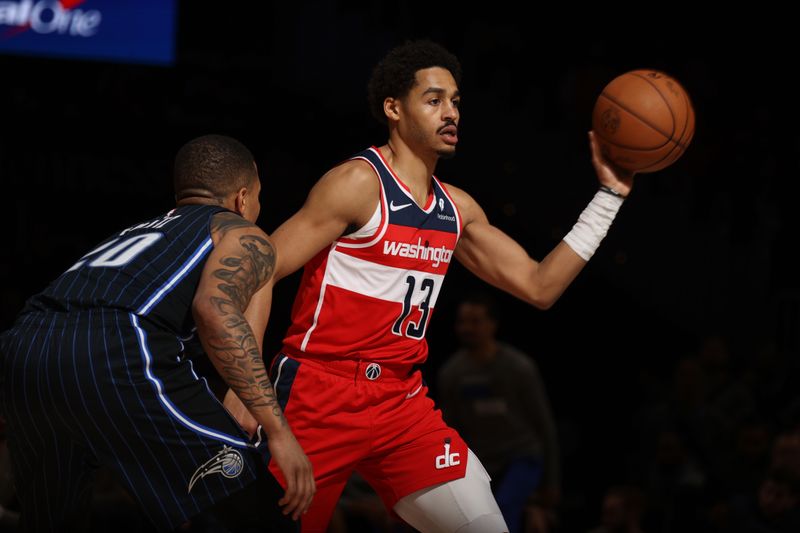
105 387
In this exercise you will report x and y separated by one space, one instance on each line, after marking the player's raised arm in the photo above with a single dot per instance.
499 260
241 263
342 201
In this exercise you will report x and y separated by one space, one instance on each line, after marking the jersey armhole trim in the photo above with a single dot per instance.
365 242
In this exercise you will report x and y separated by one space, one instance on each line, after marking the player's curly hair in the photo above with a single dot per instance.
214 165
395 74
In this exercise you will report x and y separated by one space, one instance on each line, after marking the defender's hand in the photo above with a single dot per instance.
296 468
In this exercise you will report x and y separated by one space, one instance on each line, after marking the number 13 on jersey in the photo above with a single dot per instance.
421 293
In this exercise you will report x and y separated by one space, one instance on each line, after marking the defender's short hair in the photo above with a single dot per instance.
214 164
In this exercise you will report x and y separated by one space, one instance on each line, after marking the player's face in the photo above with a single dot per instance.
431 110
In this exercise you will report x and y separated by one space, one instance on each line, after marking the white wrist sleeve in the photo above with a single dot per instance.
593 224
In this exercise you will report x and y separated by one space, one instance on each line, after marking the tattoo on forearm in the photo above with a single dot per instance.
240 363
234 347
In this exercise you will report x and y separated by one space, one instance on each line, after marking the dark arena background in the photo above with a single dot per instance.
671 363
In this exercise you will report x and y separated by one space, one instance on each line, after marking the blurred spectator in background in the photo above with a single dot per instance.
9 514
725 395
745 462
675 485
493 395
623 508
772 508
786 453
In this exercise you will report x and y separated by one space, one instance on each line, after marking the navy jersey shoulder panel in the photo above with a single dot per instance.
149 268
389 184
444 216
404 211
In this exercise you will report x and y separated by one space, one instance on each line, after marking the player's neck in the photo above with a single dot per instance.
195 200
413 169
196 196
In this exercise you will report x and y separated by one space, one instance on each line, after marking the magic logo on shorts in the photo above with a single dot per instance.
228 462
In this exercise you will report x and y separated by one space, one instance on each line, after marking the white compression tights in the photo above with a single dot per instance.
463 505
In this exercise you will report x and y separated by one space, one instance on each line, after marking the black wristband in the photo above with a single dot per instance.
612 192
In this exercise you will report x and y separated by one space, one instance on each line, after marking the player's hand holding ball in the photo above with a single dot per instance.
643 121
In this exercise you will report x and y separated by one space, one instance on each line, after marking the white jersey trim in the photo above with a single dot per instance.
377 281
384 224
164 400
322 287
368 229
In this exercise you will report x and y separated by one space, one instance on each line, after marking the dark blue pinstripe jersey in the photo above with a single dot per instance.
94 372
151 269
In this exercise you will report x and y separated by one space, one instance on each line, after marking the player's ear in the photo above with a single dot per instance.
240 201
391 107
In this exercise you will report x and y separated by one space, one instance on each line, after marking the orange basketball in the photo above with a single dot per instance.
643 120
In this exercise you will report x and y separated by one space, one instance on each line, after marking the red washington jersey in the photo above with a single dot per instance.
370 295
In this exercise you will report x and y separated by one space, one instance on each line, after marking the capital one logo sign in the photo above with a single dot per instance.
49 17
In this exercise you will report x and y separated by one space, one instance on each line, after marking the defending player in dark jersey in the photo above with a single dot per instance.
93 370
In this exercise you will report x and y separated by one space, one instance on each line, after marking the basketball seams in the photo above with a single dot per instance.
672 156
666 100
640 118
633 121
689 113
686 103
634 115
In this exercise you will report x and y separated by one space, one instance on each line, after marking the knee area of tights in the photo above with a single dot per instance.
487 523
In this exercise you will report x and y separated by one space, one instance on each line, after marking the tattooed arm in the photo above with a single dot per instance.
240 265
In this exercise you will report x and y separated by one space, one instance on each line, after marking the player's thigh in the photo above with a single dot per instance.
464 505
319 514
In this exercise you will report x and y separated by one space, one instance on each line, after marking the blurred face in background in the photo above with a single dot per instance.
615 513
775 498
474 326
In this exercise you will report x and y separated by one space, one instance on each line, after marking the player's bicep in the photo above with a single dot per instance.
347 195
240 264
484 249
303 235
493 256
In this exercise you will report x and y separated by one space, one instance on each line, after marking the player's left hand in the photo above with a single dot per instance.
296 469
609 174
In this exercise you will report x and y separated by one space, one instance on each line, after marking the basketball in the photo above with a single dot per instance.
643 120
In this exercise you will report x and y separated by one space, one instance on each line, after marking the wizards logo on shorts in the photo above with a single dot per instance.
228 462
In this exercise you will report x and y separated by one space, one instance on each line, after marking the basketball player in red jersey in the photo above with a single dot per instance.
376 236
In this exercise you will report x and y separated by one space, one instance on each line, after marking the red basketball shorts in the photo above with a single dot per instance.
356 416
